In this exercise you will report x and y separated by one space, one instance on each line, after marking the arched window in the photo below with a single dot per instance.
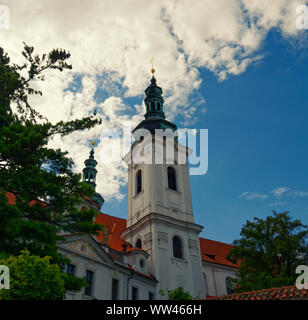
138 182
139 243
171 178
228 285
177 247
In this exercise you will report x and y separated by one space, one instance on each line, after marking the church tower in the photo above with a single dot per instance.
160 216
89 176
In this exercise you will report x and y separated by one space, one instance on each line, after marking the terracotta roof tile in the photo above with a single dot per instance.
283 293
92 201
142 274
212 251
115 226
215 252
11 200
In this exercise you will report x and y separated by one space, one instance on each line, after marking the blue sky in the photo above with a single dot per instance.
258 136
235 67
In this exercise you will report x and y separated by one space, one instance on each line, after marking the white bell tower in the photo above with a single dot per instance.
160 216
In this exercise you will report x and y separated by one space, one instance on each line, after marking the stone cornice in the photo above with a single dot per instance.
157 217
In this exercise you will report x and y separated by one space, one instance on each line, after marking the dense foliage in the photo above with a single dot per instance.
179 294
34 278
47 194
269 252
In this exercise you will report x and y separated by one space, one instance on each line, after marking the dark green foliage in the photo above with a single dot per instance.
31 170
269 252
177 294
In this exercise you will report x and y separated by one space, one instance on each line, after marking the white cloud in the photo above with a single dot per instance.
253 195
277 204
279 196
279 191
115 40
299 193
284 191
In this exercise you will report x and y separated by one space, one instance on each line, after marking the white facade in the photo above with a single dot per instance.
86 254
215 277
157 214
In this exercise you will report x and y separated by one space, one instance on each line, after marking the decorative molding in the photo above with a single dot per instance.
138 213
162 239
91 265
115 273
83 247
174 191
180 263
147 242
193 247
162 218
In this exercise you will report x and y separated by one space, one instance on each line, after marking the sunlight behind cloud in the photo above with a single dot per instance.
112 42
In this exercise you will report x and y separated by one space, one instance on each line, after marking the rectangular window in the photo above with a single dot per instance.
151 296
71 269
134 293
138 182
115 287
89 277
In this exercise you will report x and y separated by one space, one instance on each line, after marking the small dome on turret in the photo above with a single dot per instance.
89 175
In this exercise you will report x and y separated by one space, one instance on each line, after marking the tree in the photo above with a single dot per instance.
33 278
177 294
46 191
269 252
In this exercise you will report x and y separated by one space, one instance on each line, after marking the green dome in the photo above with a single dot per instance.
89 177
155 116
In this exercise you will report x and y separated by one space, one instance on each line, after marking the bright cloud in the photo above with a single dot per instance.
112 42
277 204
278 192
299 193
253 195
278 197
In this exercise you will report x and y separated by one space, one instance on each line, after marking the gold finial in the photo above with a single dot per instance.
152 70
93 143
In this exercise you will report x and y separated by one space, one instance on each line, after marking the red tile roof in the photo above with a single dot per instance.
212 251
93 202
11 200
142 274
215 252
115 226
283 293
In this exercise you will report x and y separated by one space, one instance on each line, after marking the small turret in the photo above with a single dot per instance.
89 176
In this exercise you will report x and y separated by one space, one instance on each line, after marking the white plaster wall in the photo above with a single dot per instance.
216 278
157 198
155 195
103 275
